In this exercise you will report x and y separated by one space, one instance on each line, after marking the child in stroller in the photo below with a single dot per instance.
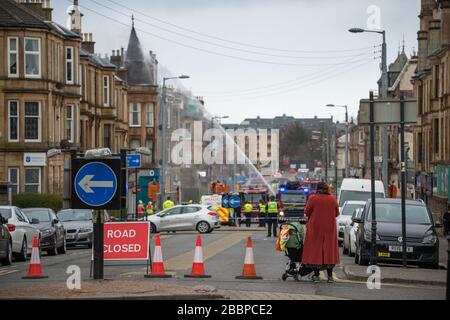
292 234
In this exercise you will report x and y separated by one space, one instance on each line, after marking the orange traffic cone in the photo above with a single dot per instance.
35 270
158 270
249 271
198 268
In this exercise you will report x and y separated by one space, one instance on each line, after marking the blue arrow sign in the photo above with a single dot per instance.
225 201
235 202
134 161
95 184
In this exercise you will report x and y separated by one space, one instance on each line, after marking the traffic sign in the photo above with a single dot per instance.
126 241
235 202
134 161
96 184
225 201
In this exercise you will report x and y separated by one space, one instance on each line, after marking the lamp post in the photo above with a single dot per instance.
163 128
346 135
382 94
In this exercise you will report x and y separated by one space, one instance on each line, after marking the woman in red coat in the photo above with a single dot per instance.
321 248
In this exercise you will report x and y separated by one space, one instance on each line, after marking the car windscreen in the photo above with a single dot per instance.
253 198
392 213
348 209
75 215
41 215
347 195
6 213
293 197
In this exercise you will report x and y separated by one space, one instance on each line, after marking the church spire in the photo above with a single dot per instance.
132 20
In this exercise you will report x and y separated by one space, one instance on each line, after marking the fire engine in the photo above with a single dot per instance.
254 195
292 198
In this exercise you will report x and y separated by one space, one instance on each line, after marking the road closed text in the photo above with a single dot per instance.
126 241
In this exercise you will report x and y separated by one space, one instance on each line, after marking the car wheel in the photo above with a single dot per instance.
203 227
8 259
22 256
53 250
153 228
350 252
63 248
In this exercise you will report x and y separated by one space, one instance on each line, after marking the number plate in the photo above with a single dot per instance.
70 236
384 254
400 249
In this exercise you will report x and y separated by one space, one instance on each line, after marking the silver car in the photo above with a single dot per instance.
78 225
185 218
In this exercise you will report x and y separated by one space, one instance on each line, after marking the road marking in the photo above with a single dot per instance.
184 261
258 295
6 271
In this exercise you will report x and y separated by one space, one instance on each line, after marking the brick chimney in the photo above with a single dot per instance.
41 7
445 21
434 36
88 43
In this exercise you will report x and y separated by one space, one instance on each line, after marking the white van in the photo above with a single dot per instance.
359 190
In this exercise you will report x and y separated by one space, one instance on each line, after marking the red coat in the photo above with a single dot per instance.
321 243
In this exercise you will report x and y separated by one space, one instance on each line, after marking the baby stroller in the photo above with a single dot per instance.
291 238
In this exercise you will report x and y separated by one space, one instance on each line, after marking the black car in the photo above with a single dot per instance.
53 234
421 238
5 243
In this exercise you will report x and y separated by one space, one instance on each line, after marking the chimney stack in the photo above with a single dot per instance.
434 36
41 7
88 44
445 21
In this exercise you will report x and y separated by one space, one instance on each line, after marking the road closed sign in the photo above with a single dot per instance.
126 241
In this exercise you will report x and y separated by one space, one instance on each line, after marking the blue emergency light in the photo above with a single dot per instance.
306 190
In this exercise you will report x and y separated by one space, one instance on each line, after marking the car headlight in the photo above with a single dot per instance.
368 236
281 214
429 239
47 232
85 230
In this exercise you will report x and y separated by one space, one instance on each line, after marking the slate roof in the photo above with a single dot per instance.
140 70
97 60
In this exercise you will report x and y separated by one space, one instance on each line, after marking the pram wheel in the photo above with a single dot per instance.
284 277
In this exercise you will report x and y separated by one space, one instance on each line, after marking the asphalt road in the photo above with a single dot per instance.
224 257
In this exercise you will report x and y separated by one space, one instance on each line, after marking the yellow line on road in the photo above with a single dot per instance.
184 261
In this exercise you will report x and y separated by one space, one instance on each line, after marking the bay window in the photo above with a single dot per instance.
32 122
13 57
32 57
13 121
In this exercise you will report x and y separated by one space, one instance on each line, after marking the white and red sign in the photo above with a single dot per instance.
126 241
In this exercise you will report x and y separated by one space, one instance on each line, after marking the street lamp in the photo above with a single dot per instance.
346 135
383 94
164 144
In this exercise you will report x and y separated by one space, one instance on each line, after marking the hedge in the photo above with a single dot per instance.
36 200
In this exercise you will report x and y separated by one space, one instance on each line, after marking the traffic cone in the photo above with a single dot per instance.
198 268
249 271
158 270
35 270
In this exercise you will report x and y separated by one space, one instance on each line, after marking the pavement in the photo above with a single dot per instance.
223 257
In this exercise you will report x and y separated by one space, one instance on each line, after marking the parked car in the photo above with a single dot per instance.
78 225
421 239
22 231
185 218
5 243
358 190
53 234
345 216
349 243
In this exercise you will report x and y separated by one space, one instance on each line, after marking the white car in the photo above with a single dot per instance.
345 217
22 231
185 218
349 243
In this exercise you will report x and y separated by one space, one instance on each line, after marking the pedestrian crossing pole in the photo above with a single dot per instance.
98 245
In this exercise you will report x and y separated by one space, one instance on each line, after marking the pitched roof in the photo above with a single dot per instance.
140 70
13 14
96 59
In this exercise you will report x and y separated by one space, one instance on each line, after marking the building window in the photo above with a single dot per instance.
436 136
32 122
149 115
32 180
149 145
13 178
13 122
135 114
69 65
135 143
70 123
420 148
13 57
107 136
106 91
436 81
33 57
420 99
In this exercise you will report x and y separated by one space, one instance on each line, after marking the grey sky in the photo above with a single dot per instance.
313 25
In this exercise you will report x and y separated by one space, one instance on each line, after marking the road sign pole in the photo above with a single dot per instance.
98 245
373 258
403 175
124 184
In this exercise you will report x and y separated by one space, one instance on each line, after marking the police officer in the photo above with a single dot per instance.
272 217
248 210
168 204
262 213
